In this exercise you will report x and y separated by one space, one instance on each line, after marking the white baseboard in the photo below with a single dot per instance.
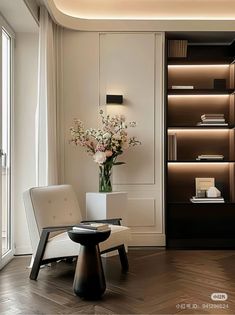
23 250
147 239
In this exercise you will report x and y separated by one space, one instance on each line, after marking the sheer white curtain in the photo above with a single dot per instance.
46 117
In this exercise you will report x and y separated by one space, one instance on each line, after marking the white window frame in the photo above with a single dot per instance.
4 25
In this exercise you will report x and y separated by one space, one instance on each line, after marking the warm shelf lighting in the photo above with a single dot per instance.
199 95
210 130
200 66
199 163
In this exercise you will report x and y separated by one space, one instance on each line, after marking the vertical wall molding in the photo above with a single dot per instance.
146 194
86 76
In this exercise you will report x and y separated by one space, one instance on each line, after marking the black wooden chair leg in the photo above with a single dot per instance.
123 258
35 270
39 255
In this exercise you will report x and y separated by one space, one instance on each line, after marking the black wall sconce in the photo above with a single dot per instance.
114 99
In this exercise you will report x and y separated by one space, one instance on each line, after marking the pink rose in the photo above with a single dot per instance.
108 153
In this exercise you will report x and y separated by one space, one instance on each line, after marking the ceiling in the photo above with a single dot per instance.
18 16
148 9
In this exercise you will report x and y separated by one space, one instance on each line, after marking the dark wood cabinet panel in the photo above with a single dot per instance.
204 225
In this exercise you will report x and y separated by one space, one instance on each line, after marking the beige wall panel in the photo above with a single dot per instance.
127 68
94 64
141 212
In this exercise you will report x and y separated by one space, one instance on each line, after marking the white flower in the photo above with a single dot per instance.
116 137
107 135
132 124
99 157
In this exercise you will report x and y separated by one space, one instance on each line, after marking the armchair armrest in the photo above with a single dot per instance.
49 229
38 260
114 221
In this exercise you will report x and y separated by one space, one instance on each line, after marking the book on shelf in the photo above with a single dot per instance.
212 116
212 124
172 146
92 226
212 119
207 200
216 157
182 87
222 120
177 48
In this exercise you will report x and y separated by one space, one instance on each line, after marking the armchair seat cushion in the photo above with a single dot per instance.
62 246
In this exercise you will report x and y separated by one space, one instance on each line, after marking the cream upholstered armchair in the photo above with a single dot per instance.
50 212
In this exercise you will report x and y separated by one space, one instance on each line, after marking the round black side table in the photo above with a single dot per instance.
89 280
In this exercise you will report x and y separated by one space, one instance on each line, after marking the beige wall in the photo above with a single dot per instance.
94 64
80 78
83 81
26 63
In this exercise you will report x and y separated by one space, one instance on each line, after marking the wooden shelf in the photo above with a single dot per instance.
199 92
202 127
196 161
188 203
200 224
211 61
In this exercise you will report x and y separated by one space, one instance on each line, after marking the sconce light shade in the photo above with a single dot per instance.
114 99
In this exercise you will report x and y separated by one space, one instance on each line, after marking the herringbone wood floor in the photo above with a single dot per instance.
159 282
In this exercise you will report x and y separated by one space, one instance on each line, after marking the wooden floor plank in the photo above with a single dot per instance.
159 282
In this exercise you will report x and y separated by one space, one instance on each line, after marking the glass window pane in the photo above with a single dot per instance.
5 150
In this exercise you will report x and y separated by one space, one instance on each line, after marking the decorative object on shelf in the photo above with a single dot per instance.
201 193
212 120
206 192
220 84
172 146
177 48
213 192
114 99
104 144
202 183
210 157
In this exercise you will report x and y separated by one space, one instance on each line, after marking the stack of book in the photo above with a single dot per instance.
207 200
172 147
210 157
182 87
95 227
212 120
177 48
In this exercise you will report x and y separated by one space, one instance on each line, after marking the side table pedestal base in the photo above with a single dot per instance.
89 280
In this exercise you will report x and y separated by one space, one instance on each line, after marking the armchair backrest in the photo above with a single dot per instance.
50 206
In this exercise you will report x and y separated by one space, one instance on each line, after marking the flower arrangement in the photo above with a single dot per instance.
104 144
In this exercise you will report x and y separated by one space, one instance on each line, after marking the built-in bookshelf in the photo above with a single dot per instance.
188 224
